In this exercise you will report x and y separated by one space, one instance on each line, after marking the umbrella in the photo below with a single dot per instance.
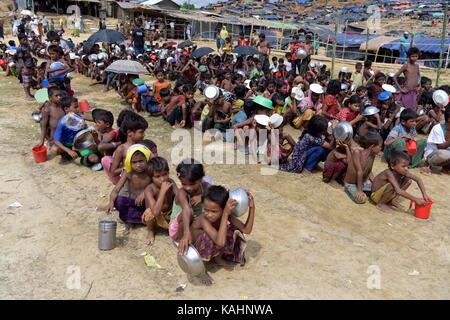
26 13
127 66
200 52
104 35
245 51
187 43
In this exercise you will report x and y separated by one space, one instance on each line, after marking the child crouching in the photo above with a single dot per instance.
217 234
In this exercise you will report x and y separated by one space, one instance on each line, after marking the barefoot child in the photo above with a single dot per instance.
25 64
359 169
131 185
191 175
159 197
133 127
393 183
217 234
437 151
336 165
412 74
51 113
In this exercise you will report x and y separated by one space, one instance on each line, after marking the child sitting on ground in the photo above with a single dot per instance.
159 197
402 133
136 179
335 166
133 128
393 182
359 170
51 113
217 234
67 129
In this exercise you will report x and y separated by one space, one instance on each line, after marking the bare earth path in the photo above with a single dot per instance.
309 241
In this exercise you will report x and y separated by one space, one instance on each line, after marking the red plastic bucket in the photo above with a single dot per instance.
422 212
411 147
84 106
40 153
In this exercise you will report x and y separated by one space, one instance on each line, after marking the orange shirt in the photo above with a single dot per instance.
157 87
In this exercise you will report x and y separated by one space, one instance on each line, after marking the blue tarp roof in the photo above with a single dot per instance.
352 40
429 45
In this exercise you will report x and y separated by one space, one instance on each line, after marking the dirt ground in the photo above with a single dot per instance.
309 241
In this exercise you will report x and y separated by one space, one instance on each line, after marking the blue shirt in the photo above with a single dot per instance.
400 129
64 134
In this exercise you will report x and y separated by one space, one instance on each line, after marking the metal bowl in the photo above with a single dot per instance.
191 262
36 116
211 92
241 198
84 139
440 97
301 54
343 131
370 111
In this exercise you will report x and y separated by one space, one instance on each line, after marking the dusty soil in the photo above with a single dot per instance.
309 240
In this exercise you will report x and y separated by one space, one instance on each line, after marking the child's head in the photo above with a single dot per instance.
103 119
190 172
54 52
361 91
274 60
317 126
399 162
134 126
447 113
165 94
188 91
160 76
413 54
372 140
124 113
158 169
23 39
408 118
334 87
151 146
136 159
358 67
70 104
54 95
258 64
426 84
215 200
353 103
270 85
240 92
368 64
380 78
282 87
11 43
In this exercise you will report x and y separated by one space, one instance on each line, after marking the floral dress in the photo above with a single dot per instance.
296 163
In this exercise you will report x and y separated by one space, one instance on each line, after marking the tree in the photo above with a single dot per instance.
187 6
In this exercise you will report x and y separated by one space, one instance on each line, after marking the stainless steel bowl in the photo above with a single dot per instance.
301 54
84 139
36 116
241 198
343 131
370 111
191 262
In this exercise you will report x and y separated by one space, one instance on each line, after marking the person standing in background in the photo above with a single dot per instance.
45 24
2 35
172 29
188 31
404 46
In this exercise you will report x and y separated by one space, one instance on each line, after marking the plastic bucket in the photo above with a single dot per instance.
39 153
142 89
411 147
84 106
422 212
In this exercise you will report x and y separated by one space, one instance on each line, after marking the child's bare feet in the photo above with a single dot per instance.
206 279
150 237
397 204
306 173
426 171
335 184
29 98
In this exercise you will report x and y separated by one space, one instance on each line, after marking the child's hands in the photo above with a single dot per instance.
72 154
229 207
165 186
251 200
110 208
195 200
421 202
139 199
360 196
426 197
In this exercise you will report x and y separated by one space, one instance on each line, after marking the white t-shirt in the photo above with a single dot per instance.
288 66
436 136
172 25
147 25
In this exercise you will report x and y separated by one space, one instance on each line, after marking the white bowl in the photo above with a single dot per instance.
211 92
389 88
440 97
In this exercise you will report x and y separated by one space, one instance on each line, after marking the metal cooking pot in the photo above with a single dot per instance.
36 116
301 53
84 139
191 262
370 111
343 131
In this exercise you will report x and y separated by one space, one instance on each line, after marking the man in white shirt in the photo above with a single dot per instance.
172 30
437 150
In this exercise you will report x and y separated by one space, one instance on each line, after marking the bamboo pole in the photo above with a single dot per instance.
444 31
209 31
446 59
201 30
282 34
336 28
367 42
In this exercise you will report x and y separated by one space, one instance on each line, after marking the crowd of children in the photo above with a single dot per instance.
386 112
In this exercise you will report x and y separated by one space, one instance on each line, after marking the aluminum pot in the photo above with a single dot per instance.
343 131
191 262
241 198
